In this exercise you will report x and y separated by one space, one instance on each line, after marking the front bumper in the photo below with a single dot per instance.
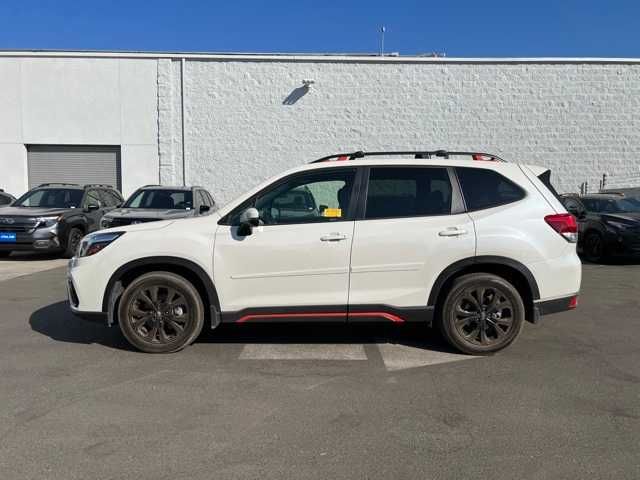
38 240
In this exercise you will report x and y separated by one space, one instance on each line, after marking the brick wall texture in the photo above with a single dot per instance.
248 120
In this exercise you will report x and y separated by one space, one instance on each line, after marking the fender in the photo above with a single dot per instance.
108 300
460 265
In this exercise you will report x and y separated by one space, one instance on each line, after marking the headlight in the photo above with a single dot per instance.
96 242
47 222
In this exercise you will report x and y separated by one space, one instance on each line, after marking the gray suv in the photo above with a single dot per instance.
155 202
54 217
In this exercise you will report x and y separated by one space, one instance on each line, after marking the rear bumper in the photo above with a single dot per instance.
555 305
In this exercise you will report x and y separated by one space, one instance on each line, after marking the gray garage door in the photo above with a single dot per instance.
73 164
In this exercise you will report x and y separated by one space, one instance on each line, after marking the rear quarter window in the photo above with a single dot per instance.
484 188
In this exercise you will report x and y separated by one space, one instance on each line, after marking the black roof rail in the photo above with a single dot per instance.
150 185
57 183
416 153
89 185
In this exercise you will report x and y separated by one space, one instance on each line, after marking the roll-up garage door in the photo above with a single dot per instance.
74 164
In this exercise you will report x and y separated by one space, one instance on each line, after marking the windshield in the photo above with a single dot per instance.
51 198
161 199
608 205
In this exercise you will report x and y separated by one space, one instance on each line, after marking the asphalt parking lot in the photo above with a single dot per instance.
318 401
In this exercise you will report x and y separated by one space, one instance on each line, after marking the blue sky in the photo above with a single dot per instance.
607 28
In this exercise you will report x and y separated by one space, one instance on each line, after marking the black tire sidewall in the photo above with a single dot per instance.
587 248
169 279
70 250
446 320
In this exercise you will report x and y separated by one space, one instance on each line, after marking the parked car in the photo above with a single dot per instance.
54 217
5 198
475 247
609 224
154 202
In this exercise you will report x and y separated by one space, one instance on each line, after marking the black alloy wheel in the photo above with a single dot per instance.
161 312
594 247
482 314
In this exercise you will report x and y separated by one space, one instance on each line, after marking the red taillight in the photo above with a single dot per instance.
573 302
565 224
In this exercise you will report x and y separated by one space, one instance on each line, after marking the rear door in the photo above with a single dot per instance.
412 227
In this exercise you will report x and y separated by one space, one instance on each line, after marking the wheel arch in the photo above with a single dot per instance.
511 270
180 266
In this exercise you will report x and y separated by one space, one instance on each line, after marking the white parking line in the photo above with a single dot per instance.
395 357
307 351
402 357
11 268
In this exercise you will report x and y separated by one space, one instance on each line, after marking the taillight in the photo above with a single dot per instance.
565 224
573 302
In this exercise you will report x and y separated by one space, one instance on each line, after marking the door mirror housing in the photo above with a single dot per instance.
92 207
204 208
249 218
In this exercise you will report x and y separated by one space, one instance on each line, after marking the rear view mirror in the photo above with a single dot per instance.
248 219
92 207
204 208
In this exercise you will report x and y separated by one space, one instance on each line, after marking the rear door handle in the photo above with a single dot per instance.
452 232
333 237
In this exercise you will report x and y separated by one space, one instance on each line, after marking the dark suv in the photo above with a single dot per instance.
154 202
609 224
5 198
54 217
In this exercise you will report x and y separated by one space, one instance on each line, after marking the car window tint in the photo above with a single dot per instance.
484 188
408 192
108 200
4 200
92 198
591 205
211 201
318 197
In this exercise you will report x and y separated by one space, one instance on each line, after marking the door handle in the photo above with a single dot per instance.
452 232
333 237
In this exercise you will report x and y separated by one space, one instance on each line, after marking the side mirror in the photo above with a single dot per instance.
248 219
92 207
204 208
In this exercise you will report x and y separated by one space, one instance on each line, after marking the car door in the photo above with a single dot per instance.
412 227
91 200
295 264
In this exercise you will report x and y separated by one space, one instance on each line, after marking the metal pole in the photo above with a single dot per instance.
382 30
184 156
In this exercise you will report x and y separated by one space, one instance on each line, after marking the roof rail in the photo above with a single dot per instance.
57 183
415 153
97 185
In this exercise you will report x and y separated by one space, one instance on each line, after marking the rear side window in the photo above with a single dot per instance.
408 192
486 189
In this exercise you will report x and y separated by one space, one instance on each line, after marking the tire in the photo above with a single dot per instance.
470 320
73 240
593 247
160 312
5 253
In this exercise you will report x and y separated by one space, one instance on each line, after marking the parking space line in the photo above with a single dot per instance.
401 357
307 351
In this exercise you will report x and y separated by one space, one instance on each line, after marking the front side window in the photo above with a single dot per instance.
484 188
608 205
161 199
5 200
408 192
308 198
51 198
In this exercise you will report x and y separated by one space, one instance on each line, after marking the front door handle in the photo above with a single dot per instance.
452 232
333 237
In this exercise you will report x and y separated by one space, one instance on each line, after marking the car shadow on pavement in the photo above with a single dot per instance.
31 257
58 323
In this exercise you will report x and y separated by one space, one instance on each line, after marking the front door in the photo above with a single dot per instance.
295 265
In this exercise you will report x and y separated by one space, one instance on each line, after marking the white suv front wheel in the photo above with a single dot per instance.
160 312
483 313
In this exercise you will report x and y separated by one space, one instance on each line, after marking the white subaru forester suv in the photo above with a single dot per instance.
463 241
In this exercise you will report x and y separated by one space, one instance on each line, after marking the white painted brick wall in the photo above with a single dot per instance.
581 120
